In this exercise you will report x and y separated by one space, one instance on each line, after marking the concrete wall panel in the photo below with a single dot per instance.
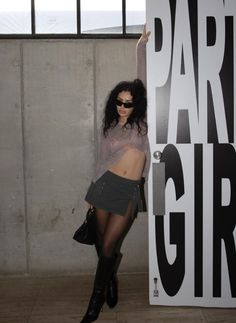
12 214
115 62
59 126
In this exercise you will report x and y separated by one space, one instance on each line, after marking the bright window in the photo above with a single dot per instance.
55 17
15 17
103 16
135 15
77 18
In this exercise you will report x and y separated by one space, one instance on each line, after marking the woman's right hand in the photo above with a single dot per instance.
145 35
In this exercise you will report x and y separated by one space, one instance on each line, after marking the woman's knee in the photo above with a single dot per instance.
108 248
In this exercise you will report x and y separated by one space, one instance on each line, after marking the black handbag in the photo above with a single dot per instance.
86 233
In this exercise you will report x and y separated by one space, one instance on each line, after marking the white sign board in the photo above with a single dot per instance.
191 85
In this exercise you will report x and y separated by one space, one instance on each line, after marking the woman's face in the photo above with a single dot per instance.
124 105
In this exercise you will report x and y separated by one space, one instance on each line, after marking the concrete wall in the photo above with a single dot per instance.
52 95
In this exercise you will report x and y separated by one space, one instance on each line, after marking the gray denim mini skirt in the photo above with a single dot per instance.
114 193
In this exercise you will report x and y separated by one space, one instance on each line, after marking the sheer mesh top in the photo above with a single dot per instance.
117 141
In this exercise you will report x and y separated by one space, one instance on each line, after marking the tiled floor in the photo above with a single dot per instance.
64 300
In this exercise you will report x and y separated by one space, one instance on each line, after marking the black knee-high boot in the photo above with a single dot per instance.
112 286
103 274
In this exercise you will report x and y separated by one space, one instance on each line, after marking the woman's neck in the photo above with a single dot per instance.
122 121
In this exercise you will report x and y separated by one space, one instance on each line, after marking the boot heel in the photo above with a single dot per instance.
112 292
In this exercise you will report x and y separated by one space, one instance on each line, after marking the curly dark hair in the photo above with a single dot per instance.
137 117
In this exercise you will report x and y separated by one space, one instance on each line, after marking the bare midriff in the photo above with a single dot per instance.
130 165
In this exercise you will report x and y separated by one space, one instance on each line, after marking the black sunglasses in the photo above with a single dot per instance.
127 105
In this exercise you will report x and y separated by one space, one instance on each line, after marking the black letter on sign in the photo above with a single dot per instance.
158 34
224 216
163 93
172 275
198 221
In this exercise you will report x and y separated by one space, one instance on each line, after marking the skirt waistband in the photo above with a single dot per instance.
118 179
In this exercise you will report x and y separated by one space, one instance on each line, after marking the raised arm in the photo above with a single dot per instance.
141 56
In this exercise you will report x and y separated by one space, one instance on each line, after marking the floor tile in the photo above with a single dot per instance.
220 315
14 319
65 300
155 316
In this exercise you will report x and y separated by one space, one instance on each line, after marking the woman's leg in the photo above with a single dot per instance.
117 226
102 218
110 229
103 272
112 286
113 228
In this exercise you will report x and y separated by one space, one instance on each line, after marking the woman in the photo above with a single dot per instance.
115 192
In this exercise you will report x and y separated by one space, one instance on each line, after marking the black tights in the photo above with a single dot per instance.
111 231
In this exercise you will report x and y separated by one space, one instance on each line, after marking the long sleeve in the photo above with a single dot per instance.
141 60
141 67
102 154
